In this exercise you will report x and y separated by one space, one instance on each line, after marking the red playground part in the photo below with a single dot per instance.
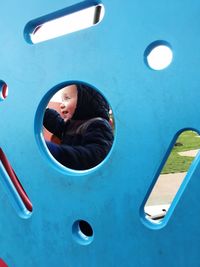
3 264
15 181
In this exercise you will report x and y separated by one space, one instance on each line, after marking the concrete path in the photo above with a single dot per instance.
168 184
165 189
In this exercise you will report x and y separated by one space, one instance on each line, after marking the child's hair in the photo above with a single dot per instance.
90 104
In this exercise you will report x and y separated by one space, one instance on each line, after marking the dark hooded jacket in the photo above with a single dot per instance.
87 138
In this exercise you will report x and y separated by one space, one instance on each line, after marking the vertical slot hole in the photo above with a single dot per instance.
63 22
172 176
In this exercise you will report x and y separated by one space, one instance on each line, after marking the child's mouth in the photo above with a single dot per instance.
65 114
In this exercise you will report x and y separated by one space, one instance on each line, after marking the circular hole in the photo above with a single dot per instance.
82 232
3 90
78 126
85 228
158 55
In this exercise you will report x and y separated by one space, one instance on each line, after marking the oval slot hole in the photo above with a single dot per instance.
172 176
63 22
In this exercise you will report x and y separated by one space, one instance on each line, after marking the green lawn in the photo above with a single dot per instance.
177 163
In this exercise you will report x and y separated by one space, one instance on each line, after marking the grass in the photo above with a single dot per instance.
175 163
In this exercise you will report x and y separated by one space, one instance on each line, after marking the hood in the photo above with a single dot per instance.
90 104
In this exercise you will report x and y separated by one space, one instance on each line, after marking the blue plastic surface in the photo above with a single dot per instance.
150 109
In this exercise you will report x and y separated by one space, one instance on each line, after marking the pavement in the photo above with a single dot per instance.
162 195
165 189
168 184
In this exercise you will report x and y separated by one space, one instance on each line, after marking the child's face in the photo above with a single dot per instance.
69 101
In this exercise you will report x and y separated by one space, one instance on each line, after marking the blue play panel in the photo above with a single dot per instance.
95 218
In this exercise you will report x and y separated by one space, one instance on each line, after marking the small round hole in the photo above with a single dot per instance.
78 126
158 55
82 232
3 90
85 228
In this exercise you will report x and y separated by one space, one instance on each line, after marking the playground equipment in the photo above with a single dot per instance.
96 217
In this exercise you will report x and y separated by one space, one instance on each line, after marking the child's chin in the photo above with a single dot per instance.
66 118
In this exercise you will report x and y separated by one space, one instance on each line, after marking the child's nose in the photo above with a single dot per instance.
62 105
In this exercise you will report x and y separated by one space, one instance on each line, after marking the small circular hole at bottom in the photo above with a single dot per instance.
82 232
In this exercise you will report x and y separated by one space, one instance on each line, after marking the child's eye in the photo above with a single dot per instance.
65 98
